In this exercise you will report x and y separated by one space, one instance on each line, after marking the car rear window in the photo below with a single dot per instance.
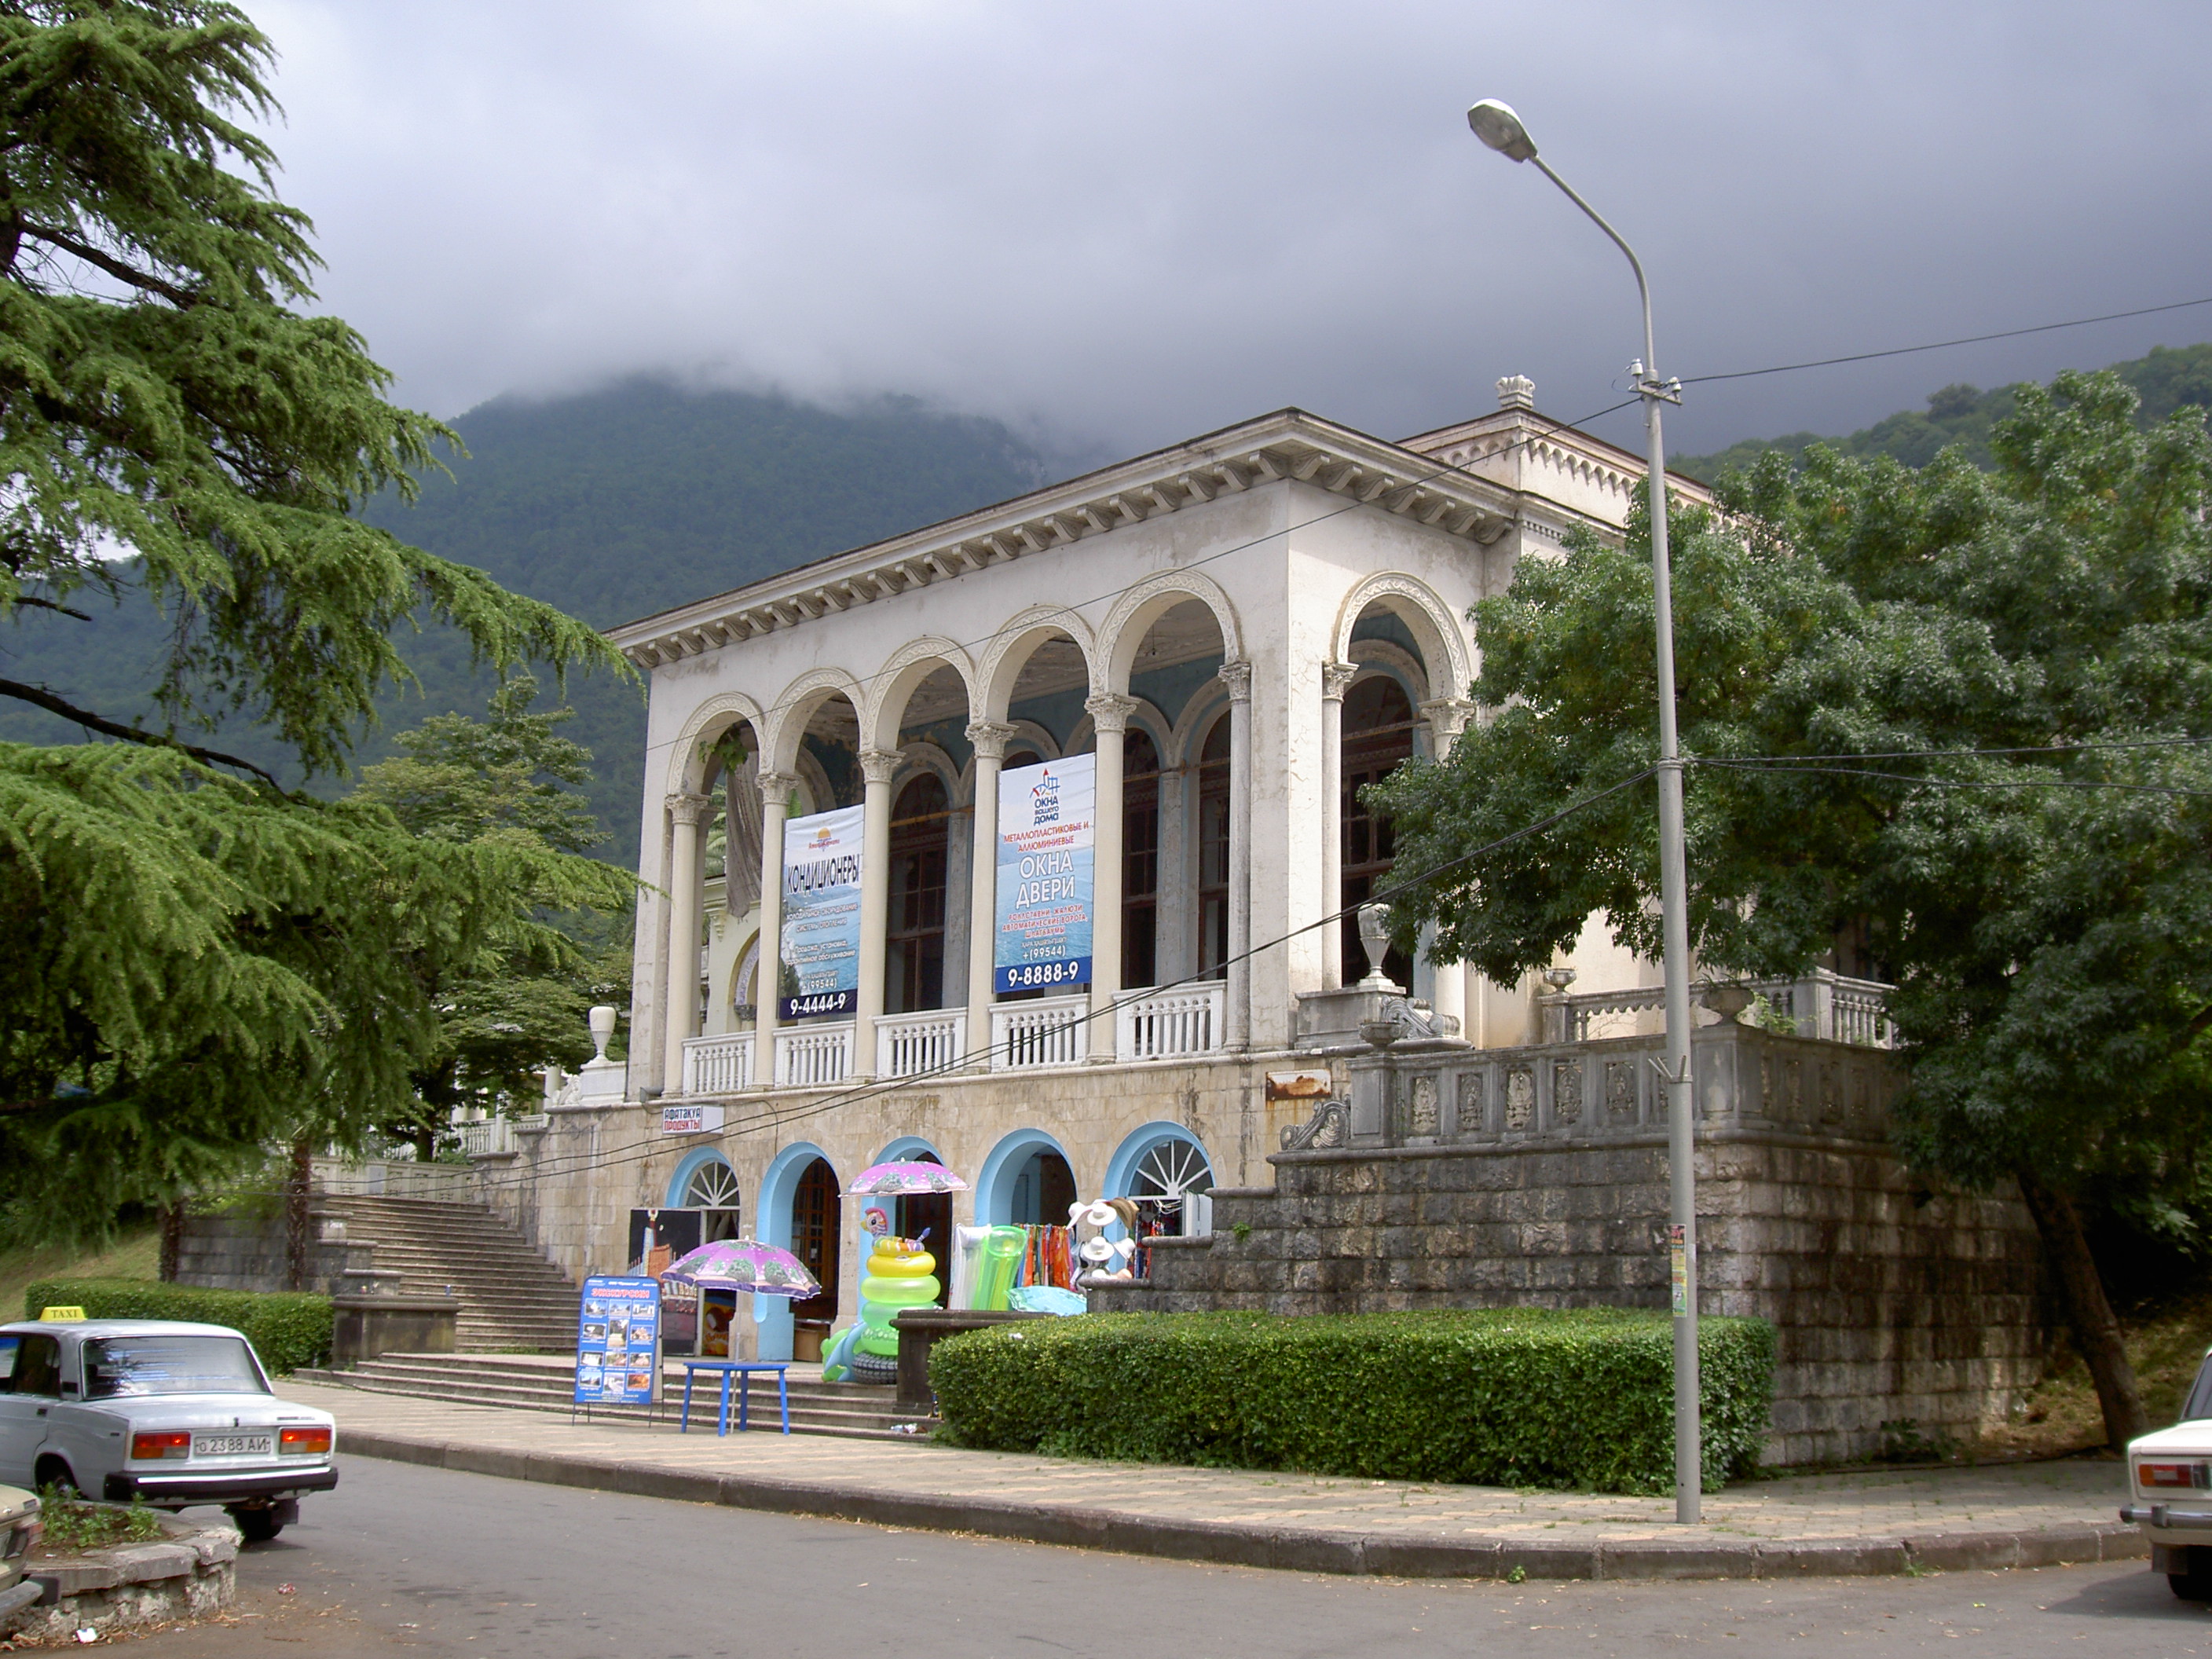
2200 1396
118 1365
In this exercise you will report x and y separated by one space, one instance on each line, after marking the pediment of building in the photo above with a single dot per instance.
1454 487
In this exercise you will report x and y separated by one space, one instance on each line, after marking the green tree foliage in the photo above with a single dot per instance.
521 1005
199 961
1988 694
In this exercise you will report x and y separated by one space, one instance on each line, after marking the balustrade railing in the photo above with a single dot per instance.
717 1065
911 1045
1048 1031
1821 1004
1166 1024
809 1056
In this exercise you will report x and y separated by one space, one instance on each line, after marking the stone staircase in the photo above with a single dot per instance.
545 1382
513 1299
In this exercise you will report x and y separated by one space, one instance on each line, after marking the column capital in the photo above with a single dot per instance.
776 787
1237 677
1335 678
990 738
1447 718
880 765
1109 713
690 809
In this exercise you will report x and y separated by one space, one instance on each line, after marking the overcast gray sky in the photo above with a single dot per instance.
1119 224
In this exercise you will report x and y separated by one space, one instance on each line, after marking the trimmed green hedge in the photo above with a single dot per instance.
288 1330
1507 1397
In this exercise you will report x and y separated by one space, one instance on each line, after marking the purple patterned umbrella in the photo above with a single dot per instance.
904 1180
746 1264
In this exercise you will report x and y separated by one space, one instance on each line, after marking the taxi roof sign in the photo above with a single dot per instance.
60 1315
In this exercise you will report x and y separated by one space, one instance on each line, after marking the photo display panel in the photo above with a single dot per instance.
619 1342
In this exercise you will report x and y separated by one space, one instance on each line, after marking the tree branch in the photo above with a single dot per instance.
113 267
39 695
48 605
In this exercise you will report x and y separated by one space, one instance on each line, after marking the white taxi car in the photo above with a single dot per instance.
2171 1474
175 1413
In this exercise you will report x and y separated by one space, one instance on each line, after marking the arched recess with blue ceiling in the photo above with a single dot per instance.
1164 1156
928 1216
1014 1160
779 1187
695 1160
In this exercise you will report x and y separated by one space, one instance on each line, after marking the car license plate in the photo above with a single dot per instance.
233 1445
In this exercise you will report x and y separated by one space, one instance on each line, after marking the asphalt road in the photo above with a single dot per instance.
402 1560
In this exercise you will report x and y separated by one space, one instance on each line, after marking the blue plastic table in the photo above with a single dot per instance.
731 1368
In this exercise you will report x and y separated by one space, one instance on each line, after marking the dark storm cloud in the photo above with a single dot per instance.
1126 223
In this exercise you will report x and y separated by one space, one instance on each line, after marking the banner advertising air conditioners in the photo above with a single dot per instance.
1045 817
821 914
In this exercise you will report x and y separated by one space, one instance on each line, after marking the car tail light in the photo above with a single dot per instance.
172 1443
304 1442
18 1540
2170 1477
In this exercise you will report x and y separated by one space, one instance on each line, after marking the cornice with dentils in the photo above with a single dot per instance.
1289 445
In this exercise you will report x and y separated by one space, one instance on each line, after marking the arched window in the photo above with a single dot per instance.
1213 851
1378 736
713 1186
1140 860
913 969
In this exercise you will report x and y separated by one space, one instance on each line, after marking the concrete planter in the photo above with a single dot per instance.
188 1574
363 1326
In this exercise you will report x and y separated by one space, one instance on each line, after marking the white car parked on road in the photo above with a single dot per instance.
175 1413
2171 1474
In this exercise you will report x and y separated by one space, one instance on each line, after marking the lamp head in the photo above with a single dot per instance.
1497 127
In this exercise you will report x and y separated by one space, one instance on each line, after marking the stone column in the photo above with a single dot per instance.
1237 677
990 738
1109 719
686 813
877 767
1448 718
1336 677
775 789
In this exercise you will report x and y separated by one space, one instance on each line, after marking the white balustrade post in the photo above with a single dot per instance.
1237 676
990 738
686 813
775 789
877 767
1448 718
1335 677
1110 720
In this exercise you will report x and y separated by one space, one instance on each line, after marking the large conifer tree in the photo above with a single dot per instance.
197 959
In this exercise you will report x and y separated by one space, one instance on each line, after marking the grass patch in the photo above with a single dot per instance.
136 1254
2165 1343
73 1524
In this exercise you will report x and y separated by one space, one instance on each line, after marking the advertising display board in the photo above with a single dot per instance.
1046 820
619 1342
821 944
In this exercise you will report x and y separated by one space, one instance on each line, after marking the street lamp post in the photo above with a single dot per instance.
1497 127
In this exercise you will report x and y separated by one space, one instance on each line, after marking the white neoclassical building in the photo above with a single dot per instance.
1242 630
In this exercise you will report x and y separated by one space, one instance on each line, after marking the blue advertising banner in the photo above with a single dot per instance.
821 914
619 1342
1046 816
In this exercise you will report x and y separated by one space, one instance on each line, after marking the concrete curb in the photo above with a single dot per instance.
1296 1549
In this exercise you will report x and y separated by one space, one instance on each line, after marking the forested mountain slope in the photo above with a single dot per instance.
2168 379
612 505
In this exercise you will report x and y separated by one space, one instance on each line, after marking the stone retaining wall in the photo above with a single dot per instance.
1894 1305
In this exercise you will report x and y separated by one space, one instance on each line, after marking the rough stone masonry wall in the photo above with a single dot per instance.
1892 1305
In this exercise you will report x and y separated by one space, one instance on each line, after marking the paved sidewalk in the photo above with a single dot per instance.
2019 1515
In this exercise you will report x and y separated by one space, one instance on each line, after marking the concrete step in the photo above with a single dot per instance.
533 1383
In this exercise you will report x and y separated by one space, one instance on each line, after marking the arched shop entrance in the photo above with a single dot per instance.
800 1205
1026 1181
1166 1169
704 1205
